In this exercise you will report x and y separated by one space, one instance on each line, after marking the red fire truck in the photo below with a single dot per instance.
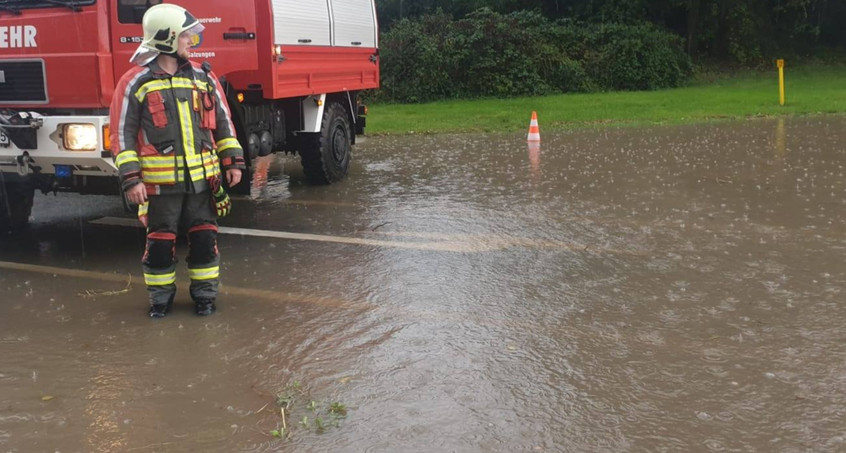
291 69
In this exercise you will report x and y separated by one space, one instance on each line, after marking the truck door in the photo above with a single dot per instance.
228 42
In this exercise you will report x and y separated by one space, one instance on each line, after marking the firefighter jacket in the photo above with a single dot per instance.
172 132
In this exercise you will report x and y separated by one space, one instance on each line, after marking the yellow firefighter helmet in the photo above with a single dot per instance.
162 24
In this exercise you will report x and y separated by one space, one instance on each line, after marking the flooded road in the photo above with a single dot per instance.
673 288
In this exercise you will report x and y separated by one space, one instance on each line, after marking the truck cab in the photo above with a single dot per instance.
292 71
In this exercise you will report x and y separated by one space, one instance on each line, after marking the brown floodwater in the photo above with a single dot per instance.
668 288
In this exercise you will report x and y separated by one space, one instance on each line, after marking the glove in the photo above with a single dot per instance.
143 208
221 202
221 198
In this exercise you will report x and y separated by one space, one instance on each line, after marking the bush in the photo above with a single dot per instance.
488 54
568 76
638 57
413 68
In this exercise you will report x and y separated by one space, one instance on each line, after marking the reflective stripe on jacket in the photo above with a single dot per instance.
167 130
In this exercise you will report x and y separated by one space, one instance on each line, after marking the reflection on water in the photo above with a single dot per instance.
103 433
658 289
780 138
535 160
268 182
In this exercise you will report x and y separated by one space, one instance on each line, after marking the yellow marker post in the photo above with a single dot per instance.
780 64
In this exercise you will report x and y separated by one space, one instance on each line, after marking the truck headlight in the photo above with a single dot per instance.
80 137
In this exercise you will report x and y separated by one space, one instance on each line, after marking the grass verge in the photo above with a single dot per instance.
809 90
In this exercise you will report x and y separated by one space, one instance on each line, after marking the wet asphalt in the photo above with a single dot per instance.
666 288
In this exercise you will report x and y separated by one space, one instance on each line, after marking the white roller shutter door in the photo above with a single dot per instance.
303 22
354 22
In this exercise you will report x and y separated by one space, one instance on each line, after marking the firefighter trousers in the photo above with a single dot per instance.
167 215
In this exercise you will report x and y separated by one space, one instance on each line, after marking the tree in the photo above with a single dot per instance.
742 31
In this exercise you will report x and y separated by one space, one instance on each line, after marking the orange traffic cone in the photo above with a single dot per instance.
534 131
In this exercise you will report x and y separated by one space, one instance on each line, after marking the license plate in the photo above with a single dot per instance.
4 140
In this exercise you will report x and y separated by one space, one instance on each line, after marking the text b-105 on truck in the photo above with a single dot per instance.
291 70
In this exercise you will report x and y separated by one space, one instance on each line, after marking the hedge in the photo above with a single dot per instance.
487 54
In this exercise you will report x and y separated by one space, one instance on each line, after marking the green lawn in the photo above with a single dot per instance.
809 90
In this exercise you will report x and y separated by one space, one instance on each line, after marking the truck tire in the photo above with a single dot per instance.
15 205
326 155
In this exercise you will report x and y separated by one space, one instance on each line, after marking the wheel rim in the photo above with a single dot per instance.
339 144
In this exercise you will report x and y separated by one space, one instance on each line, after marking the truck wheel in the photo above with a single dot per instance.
15 205
326 155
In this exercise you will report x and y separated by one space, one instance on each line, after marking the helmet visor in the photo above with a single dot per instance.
195 30
194 33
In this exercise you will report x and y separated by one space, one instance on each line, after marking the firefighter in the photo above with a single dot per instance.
173 141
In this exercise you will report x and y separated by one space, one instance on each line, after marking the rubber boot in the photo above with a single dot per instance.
160 310
205 307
